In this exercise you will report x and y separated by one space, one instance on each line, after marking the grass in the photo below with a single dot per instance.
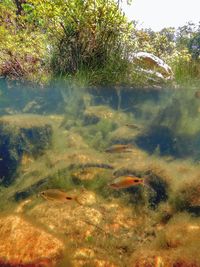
186 71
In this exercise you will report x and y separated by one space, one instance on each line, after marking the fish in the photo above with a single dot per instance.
119 148
133 126
58 195
126 182
91 165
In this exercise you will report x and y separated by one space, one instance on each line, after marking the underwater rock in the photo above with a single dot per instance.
119 221
101 232
88 198
150 64
176 244
22 206
19 135
84 253
78 158
173 130
94 114
187 196
87 174
74 140
159 139
155 188
180 225
93 262
70 219
91 165
159 181
23 244
123 135
161 258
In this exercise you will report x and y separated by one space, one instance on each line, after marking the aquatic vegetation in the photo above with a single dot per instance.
170 246
159 181
95 225
175 129
96 135
123 135
164 213
75 99
20 136
98 183
59 168
112 223
94 114
186 196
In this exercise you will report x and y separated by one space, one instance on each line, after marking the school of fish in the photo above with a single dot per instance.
120 182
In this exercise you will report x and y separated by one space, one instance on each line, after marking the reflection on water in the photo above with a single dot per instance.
69 143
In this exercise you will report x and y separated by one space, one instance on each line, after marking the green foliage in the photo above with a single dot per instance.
22 45
186 70
194 46
84 34
89 42
61 180
184 59
160 43
185 33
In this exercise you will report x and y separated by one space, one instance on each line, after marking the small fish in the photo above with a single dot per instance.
133 126
91 165
126 182
58 195
119 148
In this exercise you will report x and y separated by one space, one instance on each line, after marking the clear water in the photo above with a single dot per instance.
56 137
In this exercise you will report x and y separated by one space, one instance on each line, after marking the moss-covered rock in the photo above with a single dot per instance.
186 196
75 140
94 114
21 134
176 244
23 244
123 135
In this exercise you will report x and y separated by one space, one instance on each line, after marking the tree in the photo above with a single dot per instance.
194 46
